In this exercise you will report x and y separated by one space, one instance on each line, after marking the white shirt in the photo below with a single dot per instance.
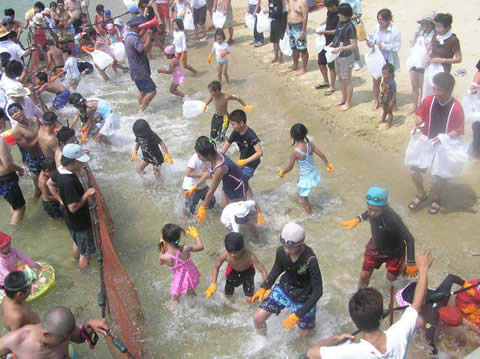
181 8
15 51
219 48
391 42
30 110
198 167
161 1
71 67
229 212
398 338
197 4
252 2
179 41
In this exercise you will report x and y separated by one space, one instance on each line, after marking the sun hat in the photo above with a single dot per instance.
243 210
4 239
292 235
377 196
17 90
4 32
169 50
451 316
38 19
428 17
74 152
234 242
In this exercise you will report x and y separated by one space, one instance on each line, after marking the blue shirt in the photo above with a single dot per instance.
138 63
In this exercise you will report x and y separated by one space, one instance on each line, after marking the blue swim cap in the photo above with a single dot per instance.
377 196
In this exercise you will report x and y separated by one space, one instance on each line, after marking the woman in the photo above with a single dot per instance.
445 45
387 37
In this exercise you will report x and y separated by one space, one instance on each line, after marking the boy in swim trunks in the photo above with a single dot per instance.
54 57
220 120
297 29
61 92
49 201
240 269
389 238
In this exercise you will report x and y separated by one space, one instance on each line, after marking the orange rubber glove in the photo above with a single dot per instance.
83 129
182 57
247 108
290 322
209 59
412 270
83 139
330 167
191 192
204 108
168 158
350 224
470 291
201 214
261 293
281 174
134 156
241 163
211 290
224 53
193 232
260 219
160 71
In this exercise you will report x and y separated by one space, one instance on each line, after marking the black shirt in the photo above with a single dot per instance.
332 21
150 150
275 9
345 32
302 280
71 190
440 115
246 143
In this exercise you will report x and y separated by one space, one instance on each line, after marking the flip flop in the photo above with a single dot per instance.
434 209
414 205
328 92
322 86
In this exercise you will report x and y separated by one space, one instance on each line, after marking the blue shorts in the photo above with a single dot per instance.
278 299
248 172
304 192
147 85
33 163
295 30
61 99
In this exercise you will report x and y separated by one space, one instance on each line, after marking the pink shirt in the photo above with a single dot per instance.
8 262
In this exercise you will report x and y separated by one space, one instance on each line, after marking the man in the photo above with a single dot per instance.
299 289
54 57
50 338
65 35
389 236
17 25
366 310
74 9
9 188
47 135
138 63
440 114
8 44
75 200
278 24
297 28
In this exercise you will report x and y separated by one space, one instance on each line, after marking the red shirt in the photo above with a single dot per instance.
40 37
441 119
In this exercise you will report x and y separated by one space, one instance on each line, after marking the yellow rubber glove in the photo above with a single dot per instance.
470 291
204 108
223 53
211 290
192 232
350 224
330 167
241 163
260 219
281 174
247 108
259 295
201 214
191 192
412 270
83 139
290 322
209 59
167 158
267 293
134 156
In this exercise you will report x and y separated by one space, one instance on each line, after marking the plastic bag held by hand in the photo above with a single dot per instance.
192 232
201 214
259 295
190 192
412 270
290 322
211 290
260 219
134 156
375 62
330 167
168 158
350 224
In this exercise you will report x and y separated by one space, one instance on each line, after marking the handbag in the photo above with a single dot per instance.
360 28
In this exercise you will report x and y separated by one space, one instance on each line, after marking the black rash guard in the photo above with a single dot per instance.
390 234
302 280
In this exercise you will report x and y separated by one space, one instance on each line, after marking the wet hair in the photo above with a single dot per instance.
329 3
385 14
60 2
345 10
215 86
12 35
298 132
49 42
202 138
14 69
50 116
366 309
39 5
91 33
238 116
14 283
389 67
150 13
220 33
52 3
444 19
234 242
67 50
42 76
206 148
76 99
64 134
445 81
141 128
60 322
9 12
99 8
48 164
171 233
179 23
5 59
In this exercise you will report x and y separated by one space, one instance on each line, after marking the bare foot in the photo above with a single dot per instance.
412 111
341 103
274 60
388 125
346 107
292 68
301 72
375 106
381 121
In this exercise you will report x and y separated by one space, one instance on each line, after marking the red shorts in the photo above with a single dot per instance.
163 12
373 259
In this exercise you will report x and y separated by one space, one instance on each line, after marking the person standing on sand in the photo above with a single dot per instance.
277 11
356 19
225 7
297 28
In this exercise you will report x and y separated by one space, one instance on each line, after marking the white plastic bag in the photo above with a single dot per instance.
375 61
329 55
420 152
218 19
129 3
118 49
188 21
418 55
428 76
284 44
250 21
320 40
471 107
101 59
263 22
451 156
192 108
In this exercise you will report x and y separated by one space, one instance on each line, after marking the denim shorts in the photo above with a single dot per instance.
147 85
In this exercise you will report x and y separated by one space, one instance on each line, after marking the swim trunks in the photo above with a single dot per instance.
219 126
235 279
53 209
248 172
162 10
295 30
84 241
10 190
61 100
33 162
373 259
192 201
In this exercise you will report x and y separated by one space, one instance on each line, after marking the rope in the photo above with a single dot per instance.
86 25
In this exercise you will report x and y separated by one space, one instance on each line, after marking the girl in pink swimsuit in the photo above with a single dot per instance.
177 257
175 69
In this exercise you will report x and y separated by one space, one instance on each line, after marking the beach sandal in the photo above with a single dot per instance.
417 201
435 208
460 72
322 86
328 92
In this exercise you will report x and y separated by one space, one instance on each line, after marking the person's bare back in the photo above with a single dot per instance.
16 315
52 87
54 58
295 12
47 140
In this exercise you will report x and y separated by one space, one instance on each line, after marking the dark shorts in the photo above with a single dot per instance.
33 162
53 209
61 100
235 279
192 201
373 259
416 69
85 66
248 172
84 241
200 15
237 192
294 31
147 85
322 60
219 126
278 299
10 190
277 30
210 4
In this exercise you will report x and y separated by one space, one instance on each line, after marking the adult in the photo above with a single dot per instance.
356 18
138 63
445 48
277 11
389 238
164 15
425 33
75 199
476 124
38 7
297 29
366 311
8 44
386 36
225 7
253 9
440 114
65 35
17 25
300 286
47 134
74 9
17 93
50 338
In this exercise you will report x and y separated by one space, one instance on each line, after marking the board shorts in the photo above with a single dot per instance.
192 201
219 126
278 299
146 85
61 100
235 279
295 30
33 162
322 60
53 209
200 15
248 172
277 30
10 190
373 259
162 10
344 66
84 241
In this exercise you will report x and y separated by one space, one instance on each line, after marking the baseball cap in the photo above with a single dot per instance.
292 235
377 196
74 152
243 210
107 12
4 239
133 9
234 242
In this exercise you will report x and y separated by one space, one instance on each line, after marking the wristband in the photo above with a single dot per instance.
92 339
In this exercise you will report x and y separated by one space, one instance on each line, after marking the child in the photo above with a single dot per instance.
177 257
107 14
240 269
49 201
221 50
99 18
175 69
149 142
220 121
388 94
61 92
180 44
303 155
112 34
181 7
9 256
54 57
101 45
71 68
241 212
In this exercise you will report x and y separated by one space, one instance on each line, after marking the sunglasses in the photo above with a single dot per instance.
375 199
291 243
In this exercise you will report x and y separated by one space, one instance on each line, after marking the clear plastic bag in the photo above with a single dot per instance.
329 55
188 21
250 21
450 157
428 76
375 61
418 55
471 107
263 22
118 49
192 108
320 40
420 152
101 59
284 44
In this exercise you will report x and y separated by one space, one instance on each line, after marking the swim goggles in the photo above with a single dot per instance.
375 199
291 243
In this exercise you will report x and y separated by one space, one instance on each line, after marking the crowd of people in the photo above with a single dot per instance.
64 48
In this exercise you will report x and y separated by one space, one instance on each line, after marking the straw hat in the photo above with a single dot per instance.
38 19
4 32
17 90
428 17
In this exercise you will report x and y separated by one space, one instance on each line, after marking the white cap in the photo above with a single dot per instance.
292 235
242 210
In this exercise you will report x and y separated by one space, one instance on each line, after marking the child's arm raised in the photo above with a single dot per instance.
258 265
193 232
213 285
289 167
